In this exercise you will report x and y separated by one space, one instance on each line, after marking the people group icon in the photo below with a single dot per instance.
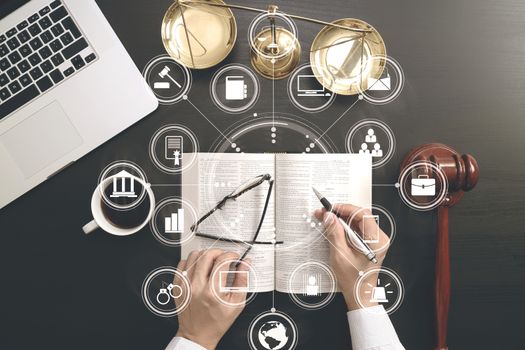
377 151
371 138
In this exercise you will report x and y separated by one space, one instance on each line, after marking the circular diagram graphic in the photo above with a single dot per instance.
166 292
379 286
273 330
312 285
169 80
423 185
388 87
234 88
173 148
307 93
385 222
171 221
265 133
274 133
125 192
230 279
374 137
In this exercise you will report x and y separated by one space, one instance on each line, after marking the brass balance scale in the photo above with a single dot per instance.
347 52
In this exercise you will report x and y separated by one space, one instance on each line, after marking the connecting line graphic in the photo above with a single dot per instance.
273 295
274 283
209 121
273 94
386 185
177 185
335 122
172 185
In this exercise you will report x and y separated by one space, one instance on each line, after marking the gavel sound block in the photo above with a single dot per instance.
462 173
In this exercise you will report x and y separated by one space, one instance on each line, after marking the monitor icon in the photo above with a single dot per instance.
226 279
371 232
308 85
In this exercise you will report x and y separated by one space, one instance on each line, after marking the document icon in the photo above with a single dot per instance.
382 84
173 148
236 89
423 186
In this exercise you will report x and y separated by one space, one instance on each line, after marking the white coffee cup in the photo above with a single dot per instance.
101 221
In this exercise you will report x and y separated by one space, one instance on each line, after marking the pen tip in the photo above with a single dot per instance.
319 195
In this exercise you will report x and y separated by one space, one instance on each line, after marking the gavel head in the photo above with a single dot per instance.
461 171
164 72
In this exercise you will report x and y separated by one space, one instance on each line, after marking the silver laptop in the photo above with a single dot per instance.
66 86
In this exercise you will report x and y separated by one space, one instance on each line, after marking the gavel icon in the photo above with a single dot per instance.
462 174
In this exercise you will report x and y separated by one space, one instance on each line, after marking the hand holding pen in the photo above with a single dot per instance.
354 238
348 262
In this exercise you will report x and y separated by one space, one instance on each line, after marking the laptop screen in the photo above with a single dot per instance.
8 6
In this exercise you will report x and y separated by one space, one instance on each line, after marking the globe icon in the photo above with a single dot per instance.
272 335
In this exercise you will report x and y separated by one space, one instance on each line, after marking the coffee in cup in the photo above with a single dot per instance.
120 215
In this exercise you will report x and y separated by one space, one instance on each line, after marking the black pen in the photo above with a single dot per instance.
352 236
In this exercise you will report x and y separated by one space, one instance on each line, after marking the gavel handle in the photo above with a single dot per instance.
442 279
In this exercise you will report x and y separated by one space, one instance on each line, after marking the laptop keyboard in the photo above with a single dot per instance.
39 53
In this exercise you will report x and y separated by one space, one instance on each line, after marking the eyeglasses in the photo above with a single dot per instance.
239 191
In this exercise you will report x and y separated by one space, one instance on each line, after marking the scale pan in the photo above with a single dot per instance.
341 59
198 35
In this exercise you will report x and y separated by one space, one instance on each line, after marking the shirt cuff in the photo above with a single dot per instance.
179 343
371 329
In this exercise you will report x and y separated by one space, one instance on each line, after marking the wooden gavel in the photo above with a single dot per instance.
462 173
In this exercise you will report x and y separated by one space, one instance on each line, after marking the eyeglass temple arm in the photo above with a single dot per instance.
219 206
232 240
223 201
260 223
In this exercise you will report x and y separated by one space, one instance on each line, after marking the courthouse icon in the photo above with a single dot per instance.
125 180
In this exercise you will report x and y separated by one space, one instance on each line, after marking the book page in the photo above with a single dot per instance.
217 175
342 178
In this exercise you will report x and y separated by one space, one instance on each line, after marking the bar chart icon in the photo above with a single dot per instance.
175 222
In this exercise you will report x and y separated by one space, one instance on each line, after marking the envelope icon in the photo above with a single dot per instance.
382 84
423 186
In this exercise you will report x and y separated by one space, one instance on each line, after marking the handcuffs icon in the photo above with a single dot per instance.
171 291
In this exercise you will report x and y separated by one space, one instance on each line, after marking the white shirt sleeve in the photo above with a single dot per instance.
179 343
371 329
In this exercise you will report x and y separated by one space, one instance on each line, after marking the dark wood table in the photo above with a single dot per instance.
465 86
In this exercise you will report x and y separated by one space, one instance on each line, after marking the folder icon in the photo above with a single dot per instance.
382 84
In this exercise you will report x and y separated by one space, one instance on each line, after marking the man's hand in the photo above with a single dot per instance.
347 261
206 319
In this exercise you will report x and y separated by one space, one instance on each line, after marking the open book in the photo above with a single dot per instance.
343 178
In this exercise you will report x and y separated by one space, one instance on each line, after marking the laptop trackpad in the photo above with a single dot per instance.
41 139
